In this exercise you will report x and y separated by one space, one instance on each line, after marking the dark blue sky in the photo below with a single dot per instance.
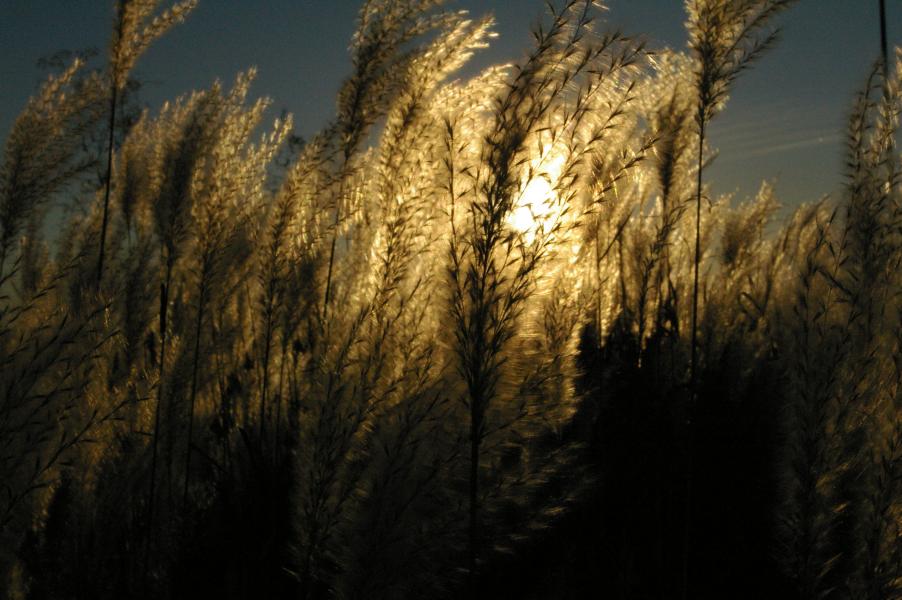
784 122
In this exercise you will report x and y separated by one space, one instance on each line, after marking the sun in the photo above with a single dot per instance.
538 203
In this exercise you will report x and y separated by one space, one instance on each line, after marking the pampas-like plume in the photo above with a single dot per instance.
132 34
407 363
48 407
379 68
492 269
725 37
41 154
367 349
187 129
230 193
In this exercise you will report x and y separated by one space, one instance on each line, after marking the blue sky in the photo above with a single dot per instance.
784 122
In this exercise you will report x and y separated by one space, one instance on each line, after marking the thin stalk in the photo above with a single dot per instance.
453 199
271 291
475 435
280 395
693 363
107 183
293 402
598 332
348 151
196 359
267 351
620 271
164 303
337 220
480 393
220 373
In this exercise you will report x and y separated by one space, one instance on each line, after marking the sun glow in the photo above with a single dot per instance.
538 204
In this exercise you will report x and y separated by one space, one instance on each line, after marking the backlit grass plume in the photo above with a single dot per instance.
133 32
469 340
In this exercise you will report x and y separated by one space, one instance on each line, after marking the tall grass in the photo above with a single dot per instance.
451 348
131 36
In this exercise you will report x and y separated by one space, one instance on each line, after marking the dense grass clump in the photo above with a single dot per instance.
484 337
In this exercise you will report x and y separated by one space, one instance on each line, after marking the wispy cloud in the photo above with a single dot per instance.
739 153
822 139
778 126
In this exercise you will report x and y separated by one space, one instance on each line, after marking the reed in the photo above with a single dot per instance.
133 32
481 336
